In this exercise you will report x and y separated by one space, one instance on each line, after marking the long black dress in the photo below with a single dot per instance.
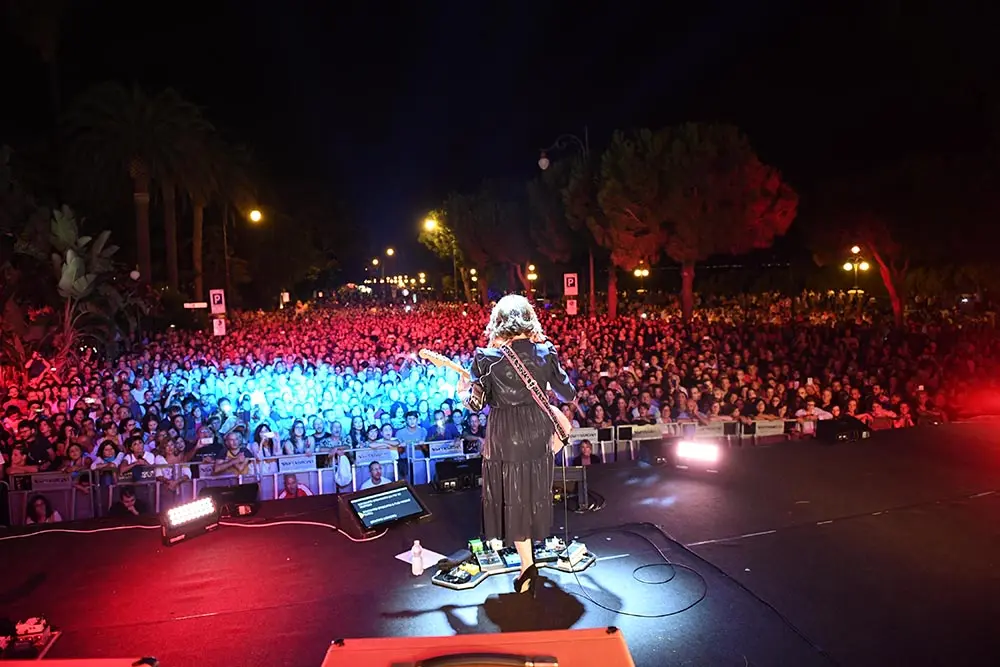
517 461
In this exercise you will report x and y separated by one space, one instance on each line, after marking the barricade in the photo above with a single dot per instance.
70 495
85 494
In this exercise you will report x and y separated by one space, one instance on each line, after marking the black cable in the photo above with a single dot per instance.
666 563
784 619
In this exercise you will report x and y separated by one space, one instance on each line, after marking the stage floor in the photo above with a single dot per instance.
880 553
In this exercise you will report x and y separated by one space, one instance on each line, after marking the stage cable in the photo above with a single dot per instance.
266 524
784 619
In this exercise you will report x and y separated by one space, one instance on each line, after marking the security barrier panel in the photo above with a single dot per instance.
49 497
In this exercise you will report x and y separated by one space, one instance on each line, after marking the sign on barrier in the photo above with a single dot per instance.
769 428
298 463
647 432
445 449
711 430
364 457
578 434
206 470
51 481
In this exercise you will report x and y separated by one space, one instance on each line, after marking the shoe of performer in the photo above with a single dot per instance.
528 581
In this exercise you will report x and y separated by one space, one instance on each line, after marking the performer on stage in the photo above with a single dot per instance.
517 458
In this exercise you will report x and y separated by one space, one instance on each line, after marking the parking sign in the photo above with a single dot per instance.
217 299
570 284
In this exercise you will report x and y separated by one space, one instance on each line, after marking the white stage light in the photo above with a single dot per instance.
702 452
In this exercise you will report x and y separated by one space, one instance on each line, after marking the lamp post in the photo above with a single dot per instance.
583 145
432 225
856 263
532 277
253 216
641 273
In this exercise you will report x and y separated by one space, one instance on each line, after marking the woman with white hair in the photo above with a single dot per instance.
517 458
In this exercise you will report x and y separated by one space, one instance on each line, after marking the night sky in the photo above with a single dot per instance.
389 106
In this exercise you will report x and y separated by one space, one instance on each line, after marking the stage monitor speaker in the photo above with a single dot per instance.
842 429
234 501
458 474
566 648
364 513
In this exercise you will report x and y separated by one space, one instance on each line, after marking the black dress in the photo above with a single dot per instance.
517 461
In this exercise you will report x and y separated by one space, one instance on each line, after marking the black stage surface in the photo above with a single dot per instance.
884 552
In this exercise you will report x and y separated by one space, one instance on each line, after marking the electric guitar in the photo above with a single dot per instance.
555 443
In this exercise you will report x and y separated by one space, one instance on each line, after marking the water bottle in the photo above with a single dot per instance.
417 559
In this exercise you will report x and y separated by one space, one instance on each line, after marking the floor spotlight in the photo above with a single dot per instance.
189 520
700 454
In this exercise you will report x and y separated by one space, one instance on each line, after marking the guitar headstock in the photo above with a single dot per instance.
434 357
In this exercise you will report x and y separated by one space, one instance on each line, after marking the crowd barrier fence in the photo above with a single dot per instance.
88 494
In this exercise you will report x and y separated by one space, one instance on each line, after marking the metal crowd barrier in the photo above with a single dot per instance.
90 493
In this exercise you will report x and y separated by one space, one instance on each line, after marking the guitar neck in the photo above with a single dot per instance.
441 360
458 369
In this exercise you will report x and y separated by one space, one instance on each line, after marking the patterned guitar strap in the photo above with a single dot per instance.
534 389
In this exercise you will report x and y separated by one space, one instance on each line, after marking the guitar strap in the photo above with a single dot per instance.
533 389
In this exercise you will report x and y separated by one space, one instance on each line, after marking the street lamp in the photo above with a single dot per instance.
855 264
389 252
583 145
253 215
641 273
432 225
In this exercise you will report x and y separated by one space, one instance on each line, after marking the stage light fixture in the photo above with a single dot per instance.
189 520
698 452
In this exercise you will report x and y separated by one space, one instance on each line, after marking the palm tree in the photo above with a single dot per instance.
221 175
236 189
114 129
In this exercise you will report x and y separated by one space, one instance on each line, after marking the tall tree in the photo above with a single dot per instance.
585 217
547 214
440 239
700 190
113 129
630 225
895 212
501 229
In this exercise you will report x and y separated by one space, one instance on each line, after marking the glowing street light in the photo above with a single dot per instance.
430 224
855 264
531 268
375 261
389 252
256 216
472 271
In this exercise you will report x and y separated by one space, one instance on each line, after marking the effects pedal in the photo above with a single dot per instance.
489 561
574 553
510 557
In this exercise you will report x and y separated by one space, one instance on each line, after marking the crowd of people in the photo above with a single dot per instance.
333 378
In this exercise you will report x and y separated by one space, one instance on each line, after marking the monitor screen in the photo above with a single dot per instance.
377 508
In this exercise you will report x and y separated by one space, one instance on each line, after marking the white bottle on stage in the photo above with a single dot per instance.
417 559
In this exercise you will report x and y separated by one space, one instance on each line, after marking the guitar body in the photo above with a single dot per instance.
555 444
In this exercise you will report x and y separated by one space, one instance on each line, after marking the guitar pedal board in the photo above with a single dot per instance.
486 561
